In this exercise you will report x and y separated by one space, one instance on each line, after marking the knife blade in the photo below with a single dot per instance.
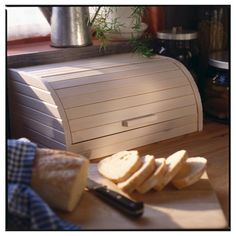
117 200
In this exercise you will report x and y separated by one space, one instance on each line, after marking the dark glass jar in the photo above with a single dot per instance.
216 96
181 45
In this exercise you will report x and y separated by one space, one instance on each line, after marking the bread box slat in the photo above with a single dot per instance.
37 104
114 92
137 133
43 140
36 115
114 122
122 103
102 105
147 139
109 74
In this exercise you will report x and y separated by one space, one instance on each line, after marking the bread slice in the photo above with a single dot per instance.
190 172
59 177
157 176
174 163
140 175
120 166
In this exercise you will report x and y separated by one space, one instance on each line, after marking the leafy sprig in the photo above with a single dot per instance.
140 45
104 27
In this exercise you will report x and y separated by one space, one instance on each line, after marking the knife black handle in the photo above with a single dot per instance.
119 201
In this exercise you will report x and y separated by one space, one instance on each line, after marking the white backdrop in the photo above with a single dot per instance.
26 22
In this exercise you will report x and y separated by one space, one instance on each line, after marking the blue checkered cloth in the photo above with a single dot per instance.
26 210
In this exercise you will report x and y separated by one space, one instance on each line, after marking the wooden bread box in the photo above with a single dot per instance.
99 106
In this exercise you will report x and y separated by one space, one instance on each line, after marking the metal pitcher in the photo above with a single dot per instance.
70 26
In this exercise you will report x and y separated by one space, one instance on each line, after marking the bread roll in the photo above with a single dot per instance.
120 166
190 172
140 175
157 176
174 163
59 177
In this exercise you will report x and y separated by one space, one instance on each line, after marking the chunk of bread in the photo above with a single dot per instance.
59 177
120 166
174 163
190 173
140 175
157 176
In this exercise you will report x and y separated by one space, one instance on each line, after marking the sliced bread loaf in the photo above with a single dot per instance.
174 163
190 173
147 168
157 176
120 166
59 177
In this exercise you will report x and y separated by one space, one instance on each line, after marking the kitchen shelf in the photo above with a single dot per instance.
38 53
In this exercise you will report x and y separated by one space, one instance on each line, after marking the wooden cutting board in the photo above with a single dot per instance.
195 207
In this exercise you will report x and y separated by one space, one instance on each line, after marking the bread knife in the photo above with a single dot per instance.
117 200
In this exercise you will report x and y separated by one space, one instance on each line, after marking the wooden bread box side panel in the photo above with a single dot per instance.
43 140
33 109
36 104
33 92
45 119
40 127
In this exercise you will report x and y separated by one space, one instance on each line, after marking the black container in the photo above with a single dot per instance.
217 86
181 45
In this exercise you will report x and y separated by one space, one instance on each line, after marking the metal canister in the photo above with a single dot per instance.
217 86
70 26
180 44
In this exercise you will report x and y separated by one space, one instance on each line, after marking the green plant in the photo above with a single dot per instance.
103 28
136 16
140 45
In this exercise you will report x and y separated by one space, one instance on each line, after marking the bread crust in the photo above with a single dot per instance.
59 177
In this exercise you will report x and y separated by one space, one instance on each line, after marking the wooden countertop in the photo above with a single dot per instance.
213 144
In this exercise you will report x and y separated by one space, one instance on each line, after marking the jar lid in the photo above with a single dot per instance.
219 60
177 33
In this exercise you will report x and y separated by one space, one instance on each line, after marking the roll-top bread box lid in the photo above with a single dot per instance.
99 106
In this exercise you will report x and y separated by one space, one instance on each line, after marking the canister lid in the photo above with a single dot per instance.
177 33
219 60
